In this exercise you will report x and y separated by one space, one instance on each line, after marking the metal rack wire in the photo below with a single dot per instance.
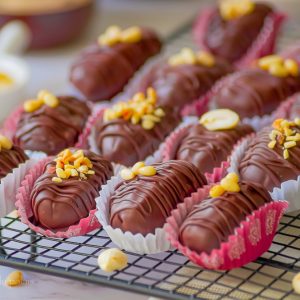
167 275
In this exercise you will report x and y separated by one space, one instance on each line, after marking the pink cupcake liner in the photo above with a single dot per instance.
264 43
250 240
283 111
24 208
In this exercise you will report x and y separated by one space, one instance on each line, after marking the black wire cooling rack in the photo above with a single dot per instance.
168 275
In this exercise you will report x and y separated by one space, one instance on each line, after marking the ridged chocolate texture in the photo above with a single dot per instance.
212 221
231 39
141 205
122 142
10 159
59 205
267 166
101 72
179 85
51 130
255 92
207 149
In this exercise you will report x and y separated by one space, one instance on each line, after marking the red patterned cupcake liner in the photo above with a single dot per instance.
264 43
250 240
24 208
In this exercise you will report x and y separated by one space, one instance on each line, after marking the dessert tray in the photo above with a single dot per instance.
168 275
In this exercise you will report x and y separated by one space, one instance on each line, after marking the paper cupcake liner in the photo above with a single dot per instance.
24 208
250 240
9 185
264 43
137 243
288 190
283 111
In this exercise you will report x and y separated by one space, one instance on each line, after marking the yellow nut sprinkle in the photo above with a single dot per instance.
51 100
290 144
266 62
232 9
159 112
189 56
112 260
60 173
56 179
147 171
137 166
286 154
32 105
5 80
127 174
83 169
216 191
296 283
292 67
131 35
232 176
91 172
272 144
74 173
14 278
139 97
148 124
78 162
278 70
151 118
230 185
297 121
5 142
206 59
295 138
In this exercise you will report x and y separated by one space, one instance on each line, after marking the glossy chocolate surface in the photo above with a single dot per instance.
141 205
60 205
231 39
255 92
267 166
212 220
122 142
51 130
207 149
100 72
10 159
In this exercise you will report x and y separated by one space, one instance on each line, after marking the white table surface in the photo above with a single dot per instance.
49 69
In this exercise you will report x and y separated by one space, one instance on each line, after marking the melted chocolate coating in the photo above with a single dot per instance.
101 72
10 159
207 149
122 142
231 39
267 166
212 221
141 205
60 205
51 130
180 85
255 92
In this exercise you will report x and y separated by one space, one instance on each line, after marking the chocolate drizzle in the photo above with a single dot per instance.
255 92
207 149
10 159
141 205
231 39
267 166
100 72
122 142
179 85
212 220
51 130
59 205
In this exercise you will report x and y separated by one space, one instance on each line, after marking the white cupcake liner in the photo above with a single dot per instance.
9 186
288 190
137 243
35 155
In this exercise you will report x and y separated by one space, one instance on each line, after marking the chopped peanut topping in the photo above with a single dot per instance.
5 142
230 183
15 278
140 109
44 98
285 135
69 164
232 9
138 169
112 259
188 57
279 67
114 35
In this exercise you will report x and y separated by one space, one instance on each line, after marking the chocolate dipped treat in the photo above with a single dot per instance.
234 27
51 124
102 69
66 191
207 143
273 156
130 131
294 111
184 78
11 156
142 202
214 219
259 91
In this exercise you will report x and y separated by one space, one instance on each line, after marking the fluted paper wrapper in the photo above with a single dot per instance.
288 190
250 240
264 43
25 212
